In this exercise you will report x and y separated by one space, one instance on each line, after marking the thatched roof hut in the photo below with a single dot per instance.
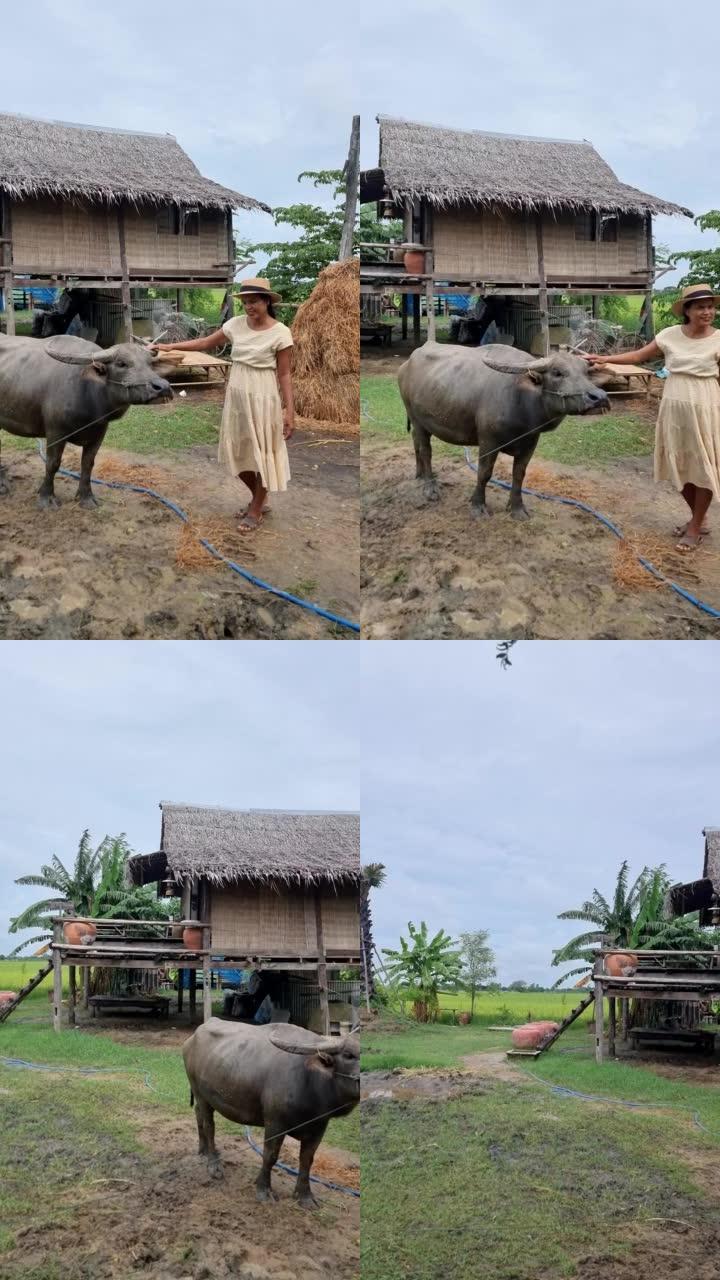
77 161
462 166
271 883
700 895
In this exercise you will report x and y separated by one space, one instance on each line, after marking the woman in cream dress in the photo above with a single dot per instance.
687 441
254 426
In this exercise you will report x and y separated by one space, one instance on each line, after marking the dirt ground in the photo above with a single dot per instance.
112 573
433 571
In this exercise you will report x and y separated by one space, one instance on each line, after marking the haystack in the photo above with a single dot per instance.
326 356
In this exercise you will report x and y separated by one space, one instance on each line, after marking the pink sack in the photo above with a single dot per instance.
530 1036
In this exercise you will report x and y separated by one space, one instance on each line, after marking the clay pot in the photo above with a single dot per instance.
6 997
532 1034
463 1019
414 261
79 933
192 935
621 964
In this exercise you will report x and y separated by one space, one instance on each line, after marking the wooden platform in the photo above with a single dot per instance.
158 1005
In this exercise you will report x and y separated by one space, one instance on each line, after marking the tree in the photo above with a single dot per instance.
294 265
424 965
611 920
374 230
478 962
373 876
704 265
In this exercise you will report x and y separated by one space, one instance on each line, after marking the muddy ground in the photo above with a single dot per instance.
433 571
666 1246
112 573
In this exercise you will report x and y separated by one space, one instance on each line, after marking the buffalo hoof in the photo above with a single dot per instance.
431 493
48 502
306 1199
216 1170
265 1194
479 511
4 483
519 513
87 501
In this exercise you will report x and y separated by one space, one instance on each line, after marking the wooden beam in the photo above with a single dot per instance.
72 996
352 177
599 1043
57 991
7 256
322 966
124 278
542 286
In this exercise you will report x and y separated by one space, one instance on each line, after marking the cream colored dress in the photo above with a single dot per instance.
251 430
687 442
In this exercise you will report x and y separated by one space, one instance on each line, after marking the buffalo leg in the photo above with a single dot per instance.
271 1151
515 504
85 495
486 466
205 1117
423 462
308 1146
46 493
4 478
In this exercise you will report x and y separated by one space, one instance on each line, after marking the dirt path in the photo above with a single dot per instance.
113 573
432 571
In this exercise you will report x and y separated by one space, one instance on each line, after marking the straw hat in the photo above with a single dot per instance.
694 293
258 284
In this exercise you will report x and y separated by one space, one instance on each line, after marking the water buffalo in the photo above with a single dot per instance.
281 1077
63 389
496 397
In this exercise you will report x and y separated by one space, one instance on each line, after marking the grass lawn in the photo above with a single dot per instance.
577 440
517 1180
148 430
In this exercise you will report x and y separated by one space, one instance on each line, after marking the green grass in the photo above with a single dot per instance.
145 429
593 439
502 1184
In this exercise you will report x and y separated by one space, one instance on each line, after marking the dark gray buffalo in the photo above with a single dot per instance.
63 388
282 1078
495 397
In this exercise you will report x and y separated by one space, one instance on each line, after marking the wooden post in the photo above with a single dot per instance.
599 1044
57 991
352 176
648 320
180 300
7 260
322 966
207 989
72 996
430 309
625 1017
612 1026
86 986
404 315
228 307
124 278
416 318
193 993
180 990
542 287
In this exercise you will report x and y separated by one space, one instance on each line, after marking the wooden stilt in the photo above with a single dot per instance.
86 987
180 992
7 261
430 309
124 279
612 1026
57 991
207 989
404 315
542 287
416 318
599 1041
72 994
322 966
180 300
193 993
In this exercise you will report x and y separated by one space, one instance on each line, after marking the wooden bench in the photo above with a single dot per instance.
699 1039
158 1005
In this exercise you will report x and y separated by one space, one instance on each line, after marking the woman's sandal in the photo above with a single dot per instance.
688 543
681 529
249 523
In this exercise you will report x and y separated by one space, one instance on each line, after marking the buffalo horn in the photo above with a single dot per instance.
502 366
329 1044
92 357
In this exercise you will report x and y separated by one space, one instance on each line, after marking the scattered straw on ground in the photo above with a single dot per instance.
338 430
326 355
222 533
628 572
132 473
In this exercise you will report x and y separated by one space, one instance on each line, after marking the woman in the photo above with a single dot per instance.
254 424
687 442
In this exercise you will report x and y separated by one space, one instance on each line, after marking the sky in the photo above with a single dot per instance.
97 733
258 94
497 799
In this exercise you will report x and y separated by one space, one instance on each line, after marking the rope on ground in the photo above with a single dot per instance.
562 1091
288 1168
218 555
583 506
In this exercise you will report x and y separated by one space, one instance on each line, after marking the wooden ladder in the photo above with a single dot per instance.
25 991
554 1035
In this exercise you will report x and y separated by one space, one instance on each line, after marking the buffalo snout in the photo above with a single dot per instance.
596 400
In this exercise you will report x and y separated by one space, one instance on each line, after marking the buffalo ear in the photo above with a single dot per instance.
327 1058
99 367
535 374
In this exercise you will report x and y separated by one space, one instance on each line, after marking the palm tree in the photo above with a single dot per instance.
614 921
373 876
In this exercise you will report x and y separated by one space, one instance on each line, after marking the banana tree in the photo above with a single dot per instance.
424 965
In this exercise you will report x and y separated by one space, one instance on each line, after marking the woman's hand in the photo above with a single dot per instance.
288 424
591 359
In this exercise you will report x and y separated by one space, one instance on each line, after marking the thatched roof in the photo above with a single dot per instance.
46 157
711 867
227 845
698 895
457 166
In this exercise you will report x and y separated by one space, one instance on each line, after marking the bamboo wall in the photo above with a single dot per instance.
254 919
471 244
82 239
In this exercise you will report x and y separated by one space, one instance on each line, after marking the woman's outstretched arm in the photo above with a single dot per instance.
642 356
210 343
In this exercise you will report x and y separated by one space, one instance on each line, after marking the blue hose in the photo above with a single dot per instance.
583 506
563 1091
236 568
287 1168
